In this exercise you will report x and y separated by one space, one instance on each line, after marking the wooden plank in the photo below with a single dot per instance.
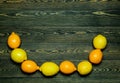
66 14
85 5
64 18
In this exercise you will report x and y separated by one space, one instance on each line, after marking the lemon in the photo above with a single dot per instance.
18 55
49 68
14 40
96 56
100 41
84 67
29 66
67 67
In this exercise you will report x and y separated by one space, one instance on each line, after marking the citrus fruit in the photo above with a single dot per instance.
84 67
49 68
67 67
18 55
29 66
14 40
95 56
100 41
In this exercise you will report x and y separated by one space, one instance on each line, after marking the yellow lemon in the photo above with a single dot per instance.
100 41
84 67
18 55
49 68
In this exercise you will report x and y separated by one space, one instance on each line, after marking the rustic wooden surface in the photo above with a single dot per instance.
56 30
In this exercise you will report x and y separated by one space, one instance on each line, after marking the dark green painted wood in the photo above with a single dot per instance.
55 31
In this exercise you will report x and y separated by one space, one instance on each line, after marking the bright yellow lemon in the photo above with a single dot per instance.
18 55
100 41
84 67
49 68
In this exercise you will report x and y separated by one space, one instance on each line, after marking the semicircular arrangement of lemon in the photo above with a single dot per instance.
50 68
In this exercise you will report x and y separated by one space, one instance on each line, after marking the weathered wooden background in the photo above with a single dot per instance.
56 30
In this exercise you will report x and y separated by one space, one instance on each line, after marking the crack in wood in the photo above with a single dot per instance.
57 13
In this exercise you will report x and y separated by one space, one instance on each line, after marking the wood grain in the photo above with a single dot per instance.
56 30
